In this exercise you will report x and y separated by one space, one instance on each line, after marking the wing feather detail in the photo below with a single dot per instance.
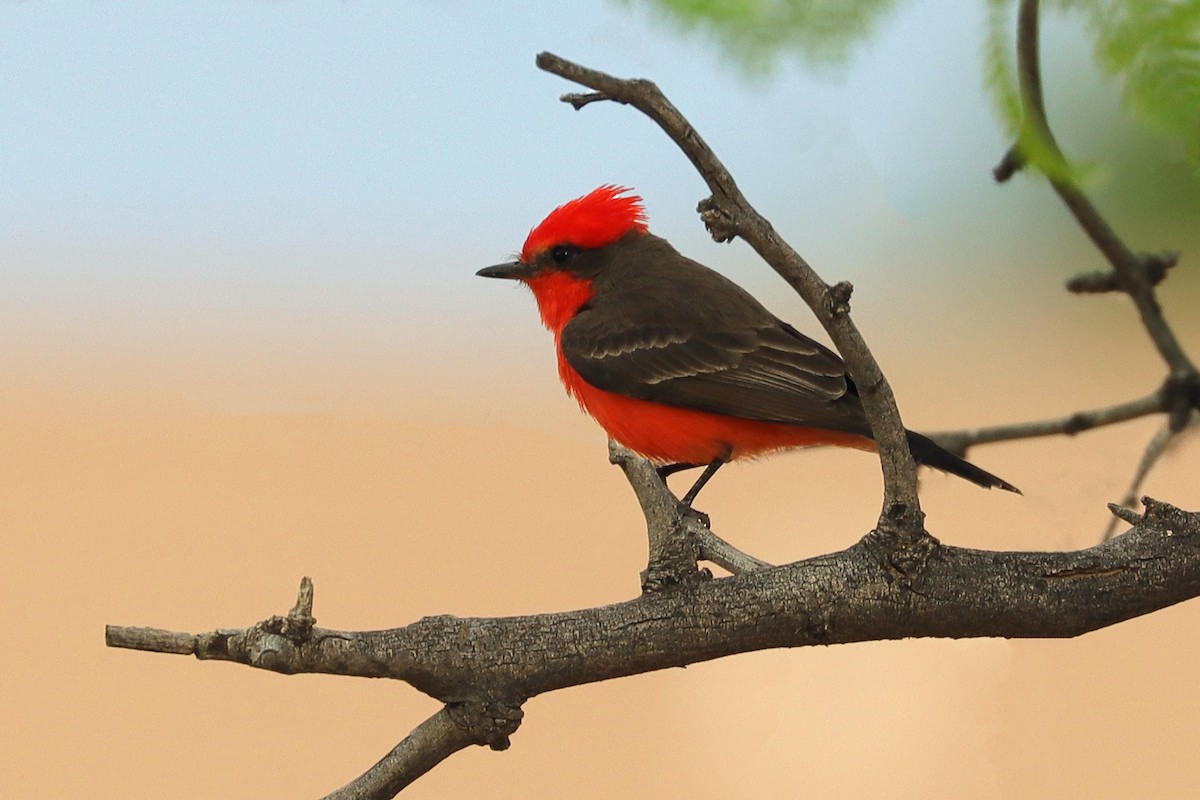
768 372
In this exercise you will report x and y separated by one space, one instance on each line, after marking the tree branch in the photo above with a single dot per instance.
727 214
1130 271
959 441
1153 266
1136 275
859 594
679 536
1159 444
430 743
897 582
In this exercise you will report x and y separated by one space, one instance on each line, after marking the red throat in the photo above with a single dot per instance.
559 296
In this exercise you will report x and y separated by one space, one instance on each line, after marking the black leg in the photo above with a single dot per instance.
671 469
709 471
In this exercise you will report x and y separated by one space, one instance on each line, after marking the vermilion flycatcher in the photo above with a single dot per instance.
677 362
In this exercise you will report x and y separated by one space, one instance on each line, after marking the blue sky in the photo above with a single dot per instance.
285 181
414 124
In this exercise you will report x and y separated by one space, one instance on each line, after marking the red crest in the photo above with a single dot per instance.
594 220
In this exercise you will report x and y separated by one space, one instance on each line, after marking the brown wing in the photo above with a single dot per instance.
768 371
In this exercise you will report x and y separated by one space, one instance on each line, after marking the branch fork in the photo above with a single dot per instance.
490 723
1134 274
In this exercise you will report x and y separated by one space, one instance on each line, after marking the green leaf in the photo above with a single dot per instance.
999 71
1153 47
824 32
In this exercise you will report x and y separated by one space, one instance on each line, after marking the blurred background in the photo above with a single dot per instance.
241 341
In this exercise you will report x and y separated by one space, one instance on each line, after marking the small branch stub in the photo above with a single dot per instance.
1125 514
718 221
839 298
1012 163
1152 266
298 624
580 99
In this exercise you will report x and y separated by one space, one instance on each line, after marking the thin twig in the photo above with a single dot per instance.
1154 267
1129 269
959 441
1134 274
430 743
720 552
1162 441
727 214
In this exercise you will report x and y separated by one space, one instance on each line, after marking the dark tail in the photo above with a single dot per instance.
926 452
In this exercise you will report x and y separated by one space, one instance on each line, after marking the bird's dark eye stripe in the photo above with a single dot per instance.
561 253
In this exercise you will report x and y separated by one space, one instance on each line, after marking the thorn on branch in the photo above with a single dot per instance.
1155 449
1171 520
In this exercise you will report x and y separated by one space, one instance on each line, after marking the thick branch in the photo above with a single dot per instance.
728 214
859 594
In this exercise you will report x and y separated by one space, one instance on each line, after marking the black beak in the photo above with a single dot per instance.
513 270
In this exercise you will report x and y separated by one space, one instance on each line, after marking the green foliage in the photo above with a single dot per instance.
1151 46
757 31
1000 78
999 69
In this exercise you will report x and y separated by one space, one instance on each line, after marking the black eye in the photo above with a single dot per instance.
561 254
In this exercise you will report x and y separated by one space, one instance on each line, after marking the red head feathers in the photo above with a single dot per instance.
594 220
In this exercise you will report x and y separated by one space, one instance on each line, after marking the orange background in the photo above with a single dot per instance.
169 515
241 341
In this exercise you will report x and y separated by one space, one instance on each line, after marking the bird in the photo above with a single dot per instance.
678 363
